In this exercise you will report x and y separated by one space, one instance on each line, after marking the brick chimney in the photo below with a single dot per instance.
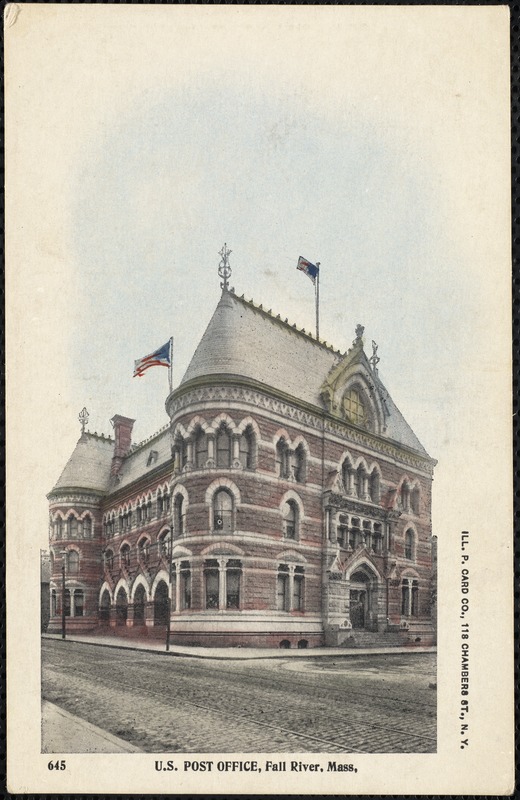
123 441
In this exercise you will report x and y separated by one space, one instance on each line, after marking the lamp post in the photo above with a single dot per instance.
168 620
63 629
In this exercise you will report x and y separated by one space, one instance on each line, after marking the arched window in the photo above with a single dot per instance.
160 504
405 496
377 542
282 588
166 502
367 534
282 459
104 607
125 555
143 549
139 513
299 464
375 486
223 442
58 528
72 562
72 527
139 605
233 573
120 523
121 607
246 449
415 497
87 527
359 481
409 540
160 604
79 601
347 476
354 408
178 514
290 520
201 449
164 543
109 560
354 534
405 598
223 511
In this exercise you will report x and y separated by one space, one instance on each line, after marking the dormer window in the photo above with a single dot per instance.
152 457
354 408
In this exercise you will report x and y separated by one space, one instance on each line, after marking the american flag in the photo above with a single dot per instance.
159 358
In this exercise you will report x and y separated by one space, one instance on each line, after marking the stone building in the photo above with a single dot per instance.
286 503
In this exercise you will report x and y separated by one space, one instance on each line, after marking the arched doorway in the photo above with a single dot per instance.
363 600
139 605
121 607
104 607
160 604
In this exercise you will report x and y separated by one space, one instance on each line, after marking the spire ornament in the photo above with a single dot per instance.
374 358
224 269
83 419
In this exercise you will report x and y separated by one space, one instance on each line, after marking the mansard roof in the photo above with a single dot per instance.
244 340
89 465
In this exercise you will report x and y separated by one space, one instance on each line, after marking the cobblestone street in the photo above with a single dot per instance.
370 704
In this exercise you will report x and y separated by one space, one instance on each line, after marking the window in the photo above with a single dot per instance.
282 588
355 534
143 547
415 499
178 508
185 576
120 523
233 573
297 603
139 514
346 473
160 505
415 599
72 527
408 544
375 487
282 459
201 449
405 496
290 520
367 534
87 527
405 594
72 562
223 448
152 457
109 560
58 528
78 603
299 464
54 606
245 450
342 533
211 575
166 503
164 542
223 511
409 598
67 603
354 408
125 555
359 482
377 538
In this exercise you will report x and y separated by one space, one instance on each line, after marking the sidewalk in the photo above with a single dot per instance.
65 733
234 653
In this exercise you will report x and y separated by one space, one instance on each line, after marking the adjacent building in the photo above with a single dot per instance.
287 503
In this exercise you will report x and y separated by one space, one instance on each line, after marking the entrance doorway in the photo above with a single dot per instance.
358 599
160 604
363 600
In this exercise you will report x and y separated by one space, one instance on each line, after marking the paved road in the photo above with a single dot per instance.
371 704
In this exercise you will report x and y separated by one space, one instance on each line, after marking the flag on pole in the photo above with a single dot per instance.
159 358
311 270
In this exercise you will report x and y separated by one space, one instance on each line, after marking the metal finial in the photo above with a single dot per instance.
374 358
83 418
224 270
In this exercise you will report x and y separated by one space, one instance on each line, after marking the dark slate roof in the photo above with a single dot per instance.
244 339
89 465
145 457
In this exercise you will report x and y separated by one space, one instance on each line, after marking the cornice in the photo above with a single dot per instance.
243 390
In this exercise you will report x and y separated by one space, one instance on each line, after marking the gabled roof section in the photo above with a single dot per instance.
245 340
145 458
89 465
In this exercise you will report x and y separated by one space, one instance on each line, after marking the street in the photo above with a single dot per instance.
161 704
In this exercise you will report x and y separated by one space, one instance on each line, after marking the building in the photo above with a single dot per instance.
286 503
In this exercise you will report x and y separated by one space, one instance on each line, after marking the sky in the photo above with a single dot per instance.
141 142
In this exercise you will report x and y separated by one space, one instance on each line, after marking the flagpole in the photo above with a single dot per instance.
170 368
317 292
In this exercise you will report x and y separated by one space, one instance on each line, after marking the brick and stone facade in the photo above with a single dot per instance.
286 503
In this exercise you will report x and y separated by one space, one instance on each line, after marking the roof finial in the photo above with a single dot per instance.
360 329
83 418
224 270
374 358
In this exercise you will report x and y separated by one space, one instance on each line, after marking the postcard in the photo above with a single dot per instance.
259 400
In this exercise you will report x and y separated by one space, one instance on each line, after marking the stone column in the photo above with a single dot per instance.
350 482
148 613
113 616
222 584
235 461
211 450
189 453
130 615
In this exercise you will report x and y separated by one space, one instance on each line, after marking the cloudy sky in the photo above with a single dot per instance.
142 139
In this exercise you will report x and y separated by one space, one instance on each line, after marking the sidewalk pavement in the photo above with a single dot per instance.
234 653
65 733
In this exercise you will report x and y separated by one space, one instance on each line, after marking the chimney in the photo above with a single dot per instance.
123 441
